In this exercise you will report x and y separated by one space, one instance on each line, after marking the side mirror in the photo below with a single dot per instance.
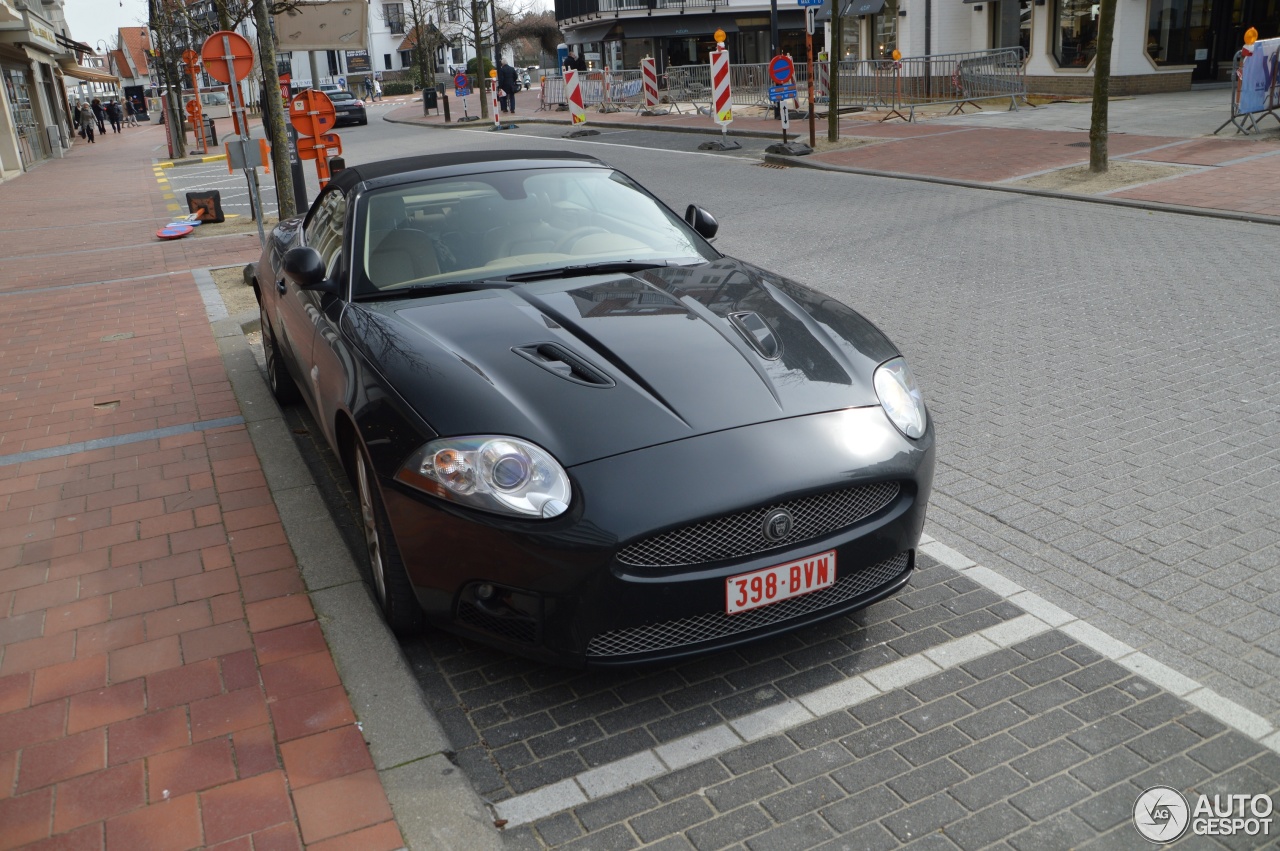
305 267
701 221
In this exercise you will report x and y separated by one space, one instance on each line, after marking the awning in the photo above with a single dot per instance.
93 75
589 34
861 7
678 26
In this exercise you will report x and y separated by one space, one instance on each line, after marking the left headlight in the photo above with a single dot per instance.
900 397
494 473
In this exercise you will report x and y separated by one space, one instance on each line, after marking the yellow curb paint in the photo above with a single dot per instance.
168 196
172 207
164 165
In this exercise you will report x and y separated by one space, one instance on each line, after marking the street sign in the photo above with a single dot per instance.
215 54
779 93
312 113
781 69
460 81
809 2
308 148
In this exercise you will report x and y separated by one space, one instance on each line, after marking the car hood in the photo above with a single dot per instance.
589 367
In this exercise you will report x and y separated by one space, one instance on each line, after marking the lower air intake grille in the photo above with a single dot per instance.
713 625
742 534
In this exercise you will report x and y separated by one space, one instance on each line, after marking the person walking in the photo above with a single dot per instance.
87 121
377 89
115 115
99 114
508 84
130 114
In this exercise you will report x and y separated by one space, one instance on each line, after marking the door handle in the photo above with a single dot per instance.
280 286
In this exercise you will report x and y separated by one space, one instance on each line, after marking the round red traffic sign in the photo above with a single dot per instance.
311 113
781 69
228 56
460 81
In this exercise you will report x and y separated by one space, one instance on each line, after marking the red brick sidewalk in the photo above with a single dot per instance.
163 683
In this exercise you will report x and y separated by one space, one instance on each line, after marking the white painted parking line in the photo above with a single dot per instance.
1041 617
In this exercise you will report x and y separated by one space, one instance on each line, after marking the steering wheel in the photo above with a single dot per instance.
567 241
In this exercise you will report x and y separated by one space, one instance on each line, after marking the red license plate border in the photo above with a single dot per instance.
728 582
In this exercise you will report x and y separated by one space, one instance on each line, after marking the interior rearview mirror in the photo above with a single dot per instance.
701 221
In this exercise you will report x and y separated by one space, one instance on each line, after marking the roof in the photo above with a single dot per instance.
135 41
407 166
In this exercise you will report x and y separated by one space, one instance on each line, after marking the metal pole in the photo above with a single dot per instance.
775 47
809 14
242 118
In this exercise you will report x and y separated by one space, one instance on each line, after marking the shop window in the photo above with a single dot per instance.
851 39
1175 29
1001 35
884 31
1075 38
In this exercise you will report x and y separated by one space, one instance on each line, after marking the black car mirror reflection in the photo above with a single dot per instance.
701 221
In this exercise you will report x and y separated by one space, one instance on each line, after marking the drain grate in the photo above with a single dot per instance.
1077 144
772 165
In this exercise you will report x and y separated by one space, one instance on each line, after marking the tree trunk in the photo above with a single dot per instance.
1101 87
273 115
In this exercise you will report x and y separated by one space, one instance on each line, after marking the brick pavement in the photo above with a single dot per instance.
164 682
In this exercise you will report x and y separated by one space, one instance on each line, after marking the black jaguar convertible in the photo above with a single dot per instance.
576 430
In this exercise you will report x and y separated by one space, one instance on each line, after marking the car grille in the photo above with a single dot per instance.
713 625
742 534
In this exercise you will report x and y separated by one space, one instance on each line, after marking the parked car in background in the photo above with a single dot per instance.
349 108
576 430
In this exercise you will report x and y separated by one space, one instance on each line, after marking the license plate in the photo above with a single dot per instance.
781 582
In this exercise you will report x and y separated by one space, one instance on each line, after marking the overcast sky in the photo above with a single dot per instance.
91 20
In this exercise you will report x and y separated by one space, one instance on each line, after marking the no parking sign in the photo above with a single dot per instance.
461 86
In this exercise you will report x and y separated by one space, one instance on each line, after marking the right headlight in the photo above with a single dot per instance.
900 397
506 475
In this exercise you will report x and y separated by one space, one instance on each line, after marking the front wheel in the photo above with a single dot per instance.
384 569
278 377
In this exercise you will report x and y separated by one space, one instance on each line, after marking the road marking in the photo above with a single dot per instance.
1041 616
118 440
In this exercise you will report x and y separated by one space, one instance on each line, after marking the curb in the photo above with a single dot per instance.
433 802
1151 206
213 158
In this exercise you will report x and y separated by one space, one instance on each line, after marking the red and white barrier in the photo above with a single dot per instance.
649 74
497 122
573 97
721 97
824 78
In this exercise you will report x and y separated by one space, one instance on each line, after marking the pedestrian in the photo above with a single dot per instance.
508 84
130 114
115 115
87 120
574 62
377 89
100 114
368 88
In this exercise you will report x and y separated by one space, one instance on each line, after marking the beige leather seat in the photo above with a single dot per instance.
402 256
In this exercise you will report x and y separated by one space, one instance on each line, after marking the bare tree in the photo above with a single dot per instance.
1101 87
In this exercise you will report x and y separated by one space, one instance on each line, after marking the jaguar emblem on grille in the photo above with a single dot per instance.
778 525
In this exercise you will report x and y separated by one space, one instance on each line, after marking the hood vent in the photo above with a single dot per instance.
557 359
758 333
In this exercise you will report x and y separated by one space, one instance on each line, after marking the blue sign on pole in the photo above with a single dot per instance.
460 86
781 93
809 2
780 69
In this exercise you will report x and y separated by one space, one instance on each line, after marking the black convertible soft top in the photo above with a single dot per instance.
352 175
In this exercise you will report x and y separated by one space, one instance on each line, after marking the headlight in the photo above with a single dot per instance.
502 474
900 397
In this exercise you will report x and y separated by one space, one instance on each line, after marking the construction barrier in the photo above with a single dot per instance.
573 97
1255 92
721 108
649 78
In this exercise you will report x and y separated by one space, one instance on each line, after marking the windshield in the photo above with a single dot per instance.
490 226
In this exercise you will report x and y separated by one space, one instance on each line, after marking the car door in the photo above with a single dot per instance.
300 310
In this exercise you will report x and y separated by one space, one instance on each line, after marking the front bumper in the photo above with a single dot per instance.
557 590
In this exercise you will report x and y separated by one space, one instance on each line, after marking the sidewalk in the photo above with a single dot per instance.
1227 174
164 681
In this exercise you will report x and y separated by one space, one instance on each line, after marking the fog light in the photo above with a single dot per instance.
486 592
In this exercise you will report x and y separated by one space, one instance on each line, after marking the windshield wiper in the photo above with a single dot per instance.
588 269
448 288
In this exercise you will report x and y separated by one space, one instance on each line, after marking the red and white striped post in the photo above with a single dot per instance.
493 82
573 97
649 74
721 95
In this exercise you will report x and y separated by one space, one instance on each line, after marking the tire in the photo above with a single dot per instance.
383 567
278 377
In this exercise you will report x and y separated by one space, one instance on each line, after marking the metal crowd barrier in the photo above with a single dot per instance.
1247 122
959 79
